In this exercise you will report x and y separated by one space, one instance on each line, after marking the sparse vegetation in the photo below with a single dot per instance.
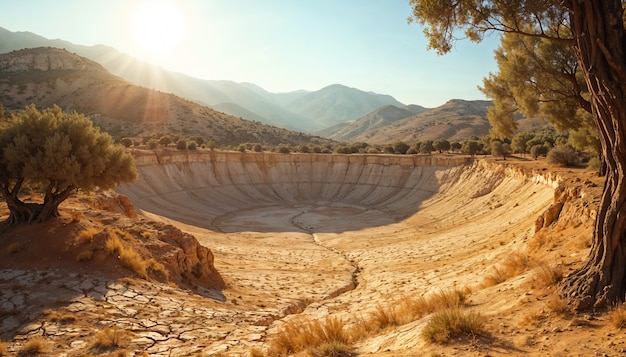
617 316
452 323
34 346
309 335
110 338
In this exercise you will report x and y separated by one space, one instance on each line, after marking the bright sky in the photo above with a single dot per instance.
280 45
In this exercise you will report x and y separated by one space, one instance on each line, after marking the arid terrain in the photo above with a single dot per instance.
301 237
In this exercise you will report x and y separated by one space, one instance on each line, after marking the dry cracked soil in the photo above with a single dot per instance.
304 237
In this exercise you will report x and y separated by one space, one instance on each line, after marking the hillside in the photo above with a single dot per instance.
46 76
379 118
337 103
306 237
299 110
455 120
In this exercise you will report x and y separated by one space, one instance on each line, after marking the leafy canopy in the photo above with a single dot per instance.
58 152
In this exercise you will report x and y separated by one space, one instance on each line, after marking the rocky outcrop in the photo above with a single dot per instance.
46 59
112 202
188 262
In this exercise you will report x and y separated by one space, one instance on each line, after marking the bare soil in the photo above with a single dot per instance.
298 258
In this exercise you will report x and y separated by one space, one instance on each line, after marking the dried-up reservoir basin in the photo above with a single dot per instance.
292 227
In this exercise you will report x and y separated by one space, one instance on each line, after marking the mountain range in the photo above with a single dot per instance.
336 111
45 76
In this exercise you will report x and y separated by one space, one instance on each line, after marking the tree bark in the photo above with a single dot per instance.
600 38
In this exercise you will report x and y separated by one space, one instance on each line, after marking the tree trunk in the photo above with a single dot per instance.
599 33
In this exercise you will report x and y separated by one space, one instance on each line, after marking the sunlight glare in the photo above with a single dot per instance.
158 26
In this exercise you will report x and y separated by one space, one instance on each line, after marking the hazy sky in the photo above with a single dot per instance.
280 45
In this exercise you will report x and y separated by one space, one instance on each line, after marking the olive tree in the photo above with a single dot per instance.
592 33
58 153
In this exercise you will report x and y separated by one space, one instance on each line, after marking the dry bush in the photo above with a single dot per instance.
16 247
86 236
545 275
108 338
617 316
34 346
63 317
383 317
557 305
85 255
256 353
513 265
451 323
310 335
330 349
128 257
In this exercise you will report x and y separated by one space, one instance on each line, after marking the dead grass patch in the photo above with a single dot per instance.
452 323
63 317
16 247
86 236
513 265
34 346
311 335
557 305
109 338
127 256
617 316
546 276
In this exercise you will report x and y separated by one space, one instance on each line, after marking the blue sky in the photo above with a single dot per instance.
280 45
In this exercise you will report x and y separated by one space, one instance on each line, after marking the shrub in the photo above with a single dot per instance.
452 323
617 316
111 337
192 145
594 164
35 345
309 335
563 155
546 275
181 144
241 148
152 144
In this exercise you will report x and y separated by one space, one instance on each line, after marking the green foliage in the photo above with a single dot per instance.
57 152
427 147
471 147
127 142
441 145
400 147
563 155
283 149
181 144
165 140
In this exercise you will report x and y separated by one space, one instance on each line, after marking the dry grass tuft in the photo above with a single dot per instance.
34 346
617 316
513 265
16 247
557 305
383 317
4 350
127 256
452 323
86 236
546 275
256 353
63 317
309 335
108 338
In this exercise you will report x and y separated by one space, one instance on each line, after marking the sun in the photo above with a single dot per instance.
158 26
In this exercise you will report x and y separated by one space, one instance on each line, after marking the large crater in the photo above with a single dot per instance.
265 192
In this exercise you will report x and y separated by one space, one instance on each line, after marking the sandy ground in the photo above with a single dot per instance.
314 238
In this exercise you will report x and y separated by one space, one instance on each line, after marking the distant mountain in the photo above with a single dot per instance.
379 118
457 119
46 76
337 103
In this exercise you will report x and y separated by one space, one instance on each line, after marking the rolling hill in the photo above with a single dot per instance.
46 76
457 120
298 110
